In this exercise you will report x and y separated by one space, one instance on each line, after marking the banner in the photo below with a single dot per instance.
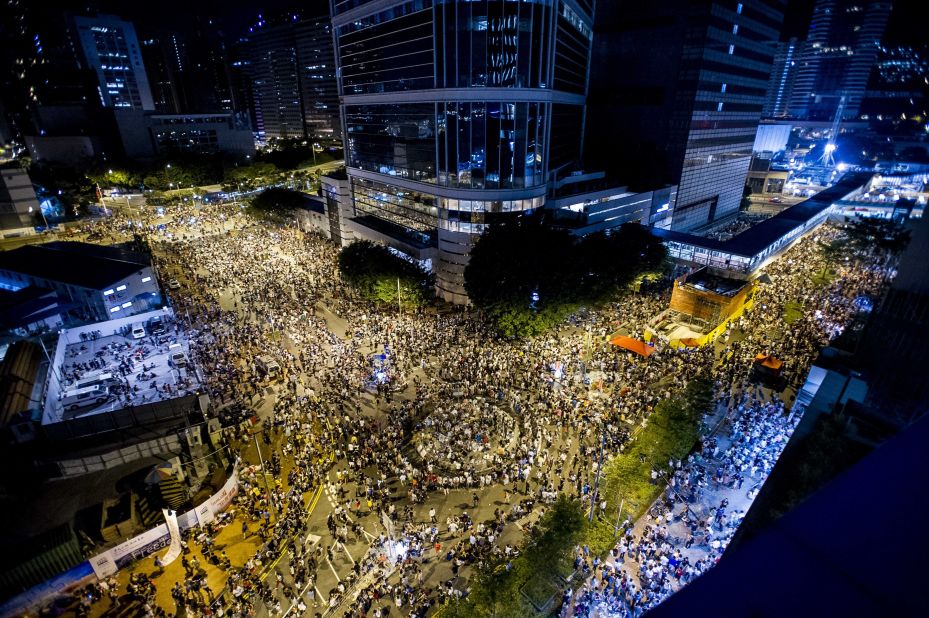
204 514
174 550
118 557
150 541
221 499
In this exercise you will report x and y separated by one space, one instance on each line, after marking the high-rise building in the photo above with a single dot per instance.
840 52
783 76
456 114
189 70
166 94
292 70
110 48
677 90
39 51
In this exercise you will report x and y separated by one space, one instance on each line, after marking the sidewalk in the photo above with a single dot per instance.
701 511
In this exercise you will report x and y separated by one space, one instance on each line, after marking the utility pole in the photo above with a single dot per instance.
264 473
619 515
595 495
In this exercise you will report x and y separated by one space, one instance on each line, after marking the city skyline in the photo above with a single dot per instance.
463 308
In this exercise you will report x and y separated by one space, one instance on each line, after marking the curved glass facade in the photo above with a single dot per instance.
477 145
393 139
409 76
494 43
390 51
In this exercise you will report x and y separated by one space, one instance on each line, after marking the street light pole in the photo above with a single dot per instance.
595 495
399 306
619 515
43 216
264 473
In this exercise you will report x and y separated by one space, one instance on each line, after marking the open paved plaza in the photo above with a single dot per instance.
381 499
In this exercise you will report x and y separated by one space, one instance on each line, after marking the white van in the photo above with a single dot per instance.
138 330
104 378
268 367
85 397
176 355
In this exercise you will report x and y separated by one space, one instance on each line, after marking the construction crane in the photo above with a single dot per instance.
827 159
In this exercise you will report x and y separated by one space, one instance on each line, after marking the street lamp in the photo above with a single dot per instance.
41 213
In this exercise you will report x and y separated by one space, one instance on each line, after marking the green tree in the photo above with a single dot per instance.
496 588
277 200
527 276
671 431
375 272
832 254
881 235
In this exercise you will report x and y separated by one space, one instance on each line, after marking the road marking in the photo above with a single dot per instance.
345 549
333 569
312 539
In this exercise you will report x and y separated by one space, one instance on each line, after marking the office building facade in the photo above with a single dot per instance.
731 67
111 50
455 115
840 52
292 73
677 93
783 77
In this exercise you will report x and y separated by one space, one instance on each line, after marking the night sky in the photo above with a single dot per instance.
907 23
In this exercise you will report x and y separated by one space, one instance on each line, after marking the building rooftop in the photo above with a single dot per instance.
80 264
705 282
132 370
754 240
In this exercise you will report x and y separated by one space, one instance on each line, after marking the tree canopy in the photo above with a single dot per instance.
504 587
374 271
276 200
528 276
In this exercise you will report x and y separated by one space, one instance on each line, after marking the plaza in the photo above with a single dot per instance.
386 495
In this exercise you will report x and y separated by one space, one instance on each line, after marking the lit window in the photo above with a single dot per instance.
114 309
731 49
147 279
122 287
719 106
108 292
127 304
738 8
723 88
735 28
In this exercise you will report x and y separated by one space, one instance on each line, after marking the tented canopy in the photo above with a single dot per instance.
633 345
768 361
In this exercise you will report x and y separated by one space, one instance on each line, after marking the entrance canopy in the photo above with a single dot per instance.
633 345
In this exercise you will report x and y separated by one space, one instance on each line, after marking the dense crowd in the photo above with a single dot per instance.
385 410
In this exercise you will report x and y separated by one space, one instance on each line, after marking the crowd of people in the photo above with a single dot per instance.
464 411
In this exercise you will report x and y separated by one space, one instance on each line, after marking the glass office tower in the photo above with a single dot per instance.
838 57
455 114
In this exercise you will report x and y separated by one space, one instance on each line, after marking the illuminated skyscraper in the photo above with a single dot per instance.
456 113
676 95
840 51
111 50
